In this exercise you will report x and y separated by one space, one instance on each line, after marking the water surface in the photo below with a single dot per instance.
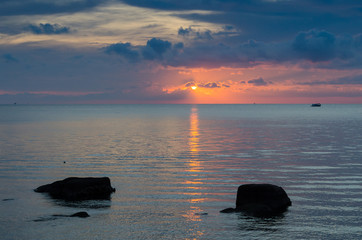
176 166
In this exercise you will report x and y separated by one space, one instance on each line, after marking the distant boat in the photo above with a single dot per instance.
316 105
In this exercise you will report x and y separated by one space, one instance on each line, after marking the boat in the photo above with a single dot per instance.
316 105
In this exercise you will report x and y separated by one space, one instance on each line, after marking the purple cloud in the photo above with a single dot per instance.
258 82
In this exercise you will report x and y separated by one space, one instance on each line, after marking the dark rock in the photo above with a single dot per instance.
74 188
8 199
55 216
260 200
201 214
80 214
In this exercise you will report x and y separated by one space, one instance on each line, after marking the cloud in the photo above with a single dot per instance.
206 85
264 20
155 48
9 58
48 28
197 35
349 80
30 7
209 85
313 46
125 50
159 46
258 82
320 46
190 84
207 56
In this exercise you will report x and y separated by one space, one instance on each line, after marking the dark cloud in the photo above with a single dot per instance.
208 56
197 35
228 28
206 85
258 82
190 84
184 31
267 20
155 48
48 28
193 4
31 7
316 46
9 58
178 46
123 49
209 85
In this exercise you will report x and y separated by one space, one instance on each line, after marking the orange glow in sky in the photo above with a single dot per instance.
259 84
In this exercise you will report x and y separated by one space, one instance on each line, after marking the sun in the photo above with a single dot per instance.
193 87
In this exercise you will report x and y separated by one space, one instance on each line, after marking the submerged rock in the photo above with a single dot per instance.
260 200
77 214
56 216
80 214
7 199
75 188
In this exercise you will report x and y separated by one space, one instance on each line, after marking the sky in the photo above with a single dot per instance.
171 51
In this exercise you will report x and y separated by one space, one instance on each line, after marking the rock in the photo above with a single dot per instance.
201 214
260 200
7 199
80 214
74 188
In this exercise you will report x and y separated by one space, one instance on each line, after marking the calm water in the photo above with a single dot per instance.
176 166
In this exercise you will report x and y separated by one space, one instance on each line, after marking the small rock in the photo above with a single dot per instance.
8 199
201 213
80 214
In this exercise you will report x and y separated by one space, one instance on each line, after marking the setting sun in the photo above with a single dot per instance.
193 87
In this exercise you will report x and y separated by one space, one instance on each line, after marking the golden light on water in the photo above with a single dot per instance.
193 184
194 131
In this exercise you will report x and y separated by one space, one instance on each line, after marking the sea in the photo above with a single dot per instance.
175 167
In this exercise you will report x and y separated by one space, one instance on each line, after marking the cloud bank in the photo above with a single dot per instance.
149 50
317 46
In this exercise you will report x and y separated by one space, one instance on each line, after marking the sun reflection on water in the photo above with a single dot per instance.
194 167
194 133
